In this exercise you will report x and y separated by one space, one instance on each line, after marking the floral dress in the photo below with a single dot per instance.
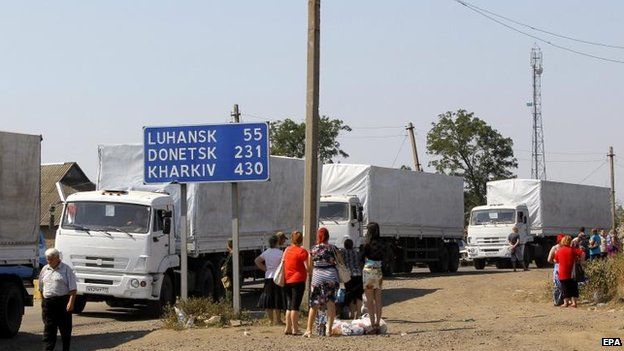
325 281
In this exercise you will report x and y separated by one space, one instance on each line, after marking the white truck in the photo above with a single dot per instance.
540 209
20 159
123 239
420 215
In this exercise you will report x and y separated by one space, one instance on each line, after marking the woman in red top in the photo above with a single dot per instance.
295 275
566 256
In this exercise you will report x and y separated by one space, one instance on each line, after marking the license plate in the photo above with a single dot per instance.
97 289
491 253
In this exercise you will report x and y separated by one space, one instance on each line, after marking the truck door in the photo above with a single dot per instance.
355 227
160 242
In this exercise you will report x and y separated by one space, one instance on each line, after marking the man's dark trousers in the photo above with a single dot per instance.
56 317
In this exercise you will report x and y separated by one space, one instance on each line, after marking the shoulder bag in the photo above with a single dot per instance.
279 277
343 272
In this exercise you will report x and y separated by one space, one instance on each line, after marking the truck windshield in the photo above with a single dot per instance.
107 216
334 211
492 216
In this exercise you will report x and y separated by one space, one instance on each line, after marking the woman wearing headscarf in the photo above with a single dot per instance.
372 276
325 281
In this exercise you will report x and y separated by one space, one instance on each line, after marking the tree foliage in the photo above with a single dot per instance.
288 138
465 146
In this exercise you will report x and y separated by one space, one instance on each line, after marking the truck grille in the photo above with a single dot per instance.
491 241
106 263
98 281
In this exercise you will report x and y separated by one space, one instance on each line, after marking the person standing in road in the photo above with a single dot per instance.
295 275
372 276
227 272
595 241
57 284
272 297
581 241
354 287
517 249
566 257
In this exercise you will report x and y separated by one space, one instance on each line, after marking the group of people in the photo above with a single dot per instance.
321 265
568 254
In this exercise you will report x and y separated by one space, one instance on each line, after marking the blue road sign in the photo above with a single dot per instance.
237 152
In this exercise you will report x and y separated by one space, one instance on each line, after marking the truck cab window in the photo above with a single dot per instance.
158 221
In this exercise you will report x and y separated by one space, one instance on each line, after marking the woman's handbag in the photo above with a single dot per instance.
279 277
343 272
578 273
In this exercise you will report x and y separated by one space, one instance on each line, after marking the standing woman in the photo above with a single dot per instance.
372 274
566 256
325 281
615 246
295 276
272 297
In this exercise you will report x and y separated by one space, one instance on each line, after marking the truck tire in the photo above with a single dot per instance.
503 263
11 309
167 297
408 267
444 260
433 267
540 262
453 249
80 303
478 263
206 283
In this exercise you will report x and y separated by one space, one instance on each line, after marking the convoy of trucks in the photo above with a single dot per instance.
540 210
122 240
420 215
20 160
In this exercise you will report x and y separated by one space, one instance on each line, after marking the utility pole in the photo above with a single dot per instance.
310 193
538 157
410 129
611 156
235 232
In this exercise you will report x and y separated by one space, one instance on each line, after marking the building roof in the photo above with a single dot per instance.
72 179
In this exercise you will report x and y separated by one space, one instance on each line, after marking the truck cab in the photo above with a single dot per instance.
343 218
489 228
121 245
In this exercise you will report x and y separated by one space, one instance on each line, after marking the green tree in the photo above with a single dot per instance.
288 138
465 146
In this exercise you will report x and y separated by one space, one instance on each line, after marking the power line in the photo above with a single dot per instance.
592 173
540 30
372 136
400 148
536 37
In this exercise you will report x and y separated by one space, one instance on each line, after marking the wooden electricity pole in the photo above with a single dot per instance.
410 129
613 215
310 193
236 300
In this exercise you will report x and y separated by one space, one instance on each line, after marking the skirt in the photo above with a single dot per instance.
372 275
569 288
354 289
325 286
272 296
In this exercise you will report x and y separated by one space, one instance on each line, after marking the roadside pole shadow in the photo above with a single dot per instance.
90 342
395 295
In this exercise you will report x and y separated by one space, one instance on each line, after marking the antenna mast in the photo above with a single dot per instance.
538 158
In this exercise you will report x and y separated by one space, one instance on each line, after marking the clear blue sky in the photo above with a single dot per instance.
88 73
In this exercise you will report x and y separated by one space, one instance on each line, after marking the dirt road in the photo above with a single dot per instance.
486 310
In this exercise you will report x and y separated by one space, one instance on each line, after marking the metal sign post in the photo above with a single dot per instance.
236 301
183 244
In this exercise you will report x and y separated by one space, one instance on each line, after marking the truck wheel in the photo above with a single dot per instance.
11 310
502 264
478 263
206 283
433 267
541 262
454 257
167 297
80 303
408 267
444 260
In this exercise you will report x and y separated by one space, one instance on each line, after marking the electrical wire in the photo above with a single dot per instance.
540 30
399 152
538 38
592 172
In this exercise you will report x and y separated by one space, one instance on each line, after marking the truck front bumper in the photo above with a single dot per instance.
128 286
488 252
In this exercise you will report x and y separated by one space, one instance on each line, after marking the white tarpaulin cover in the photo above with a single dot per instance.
554 207
403 202
265 207
20 162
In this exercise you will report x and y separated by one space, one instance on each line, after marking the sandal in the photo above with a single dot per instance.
307 334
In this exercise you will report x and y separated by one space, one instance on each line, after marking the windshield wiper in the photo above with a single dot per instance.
115 229
79 227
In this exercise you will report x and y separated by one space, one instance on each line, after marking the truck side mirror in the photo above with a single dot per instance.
360 214
167 225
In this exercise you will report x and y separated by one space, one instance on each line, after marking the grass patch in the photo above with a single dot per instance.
201 309
605 280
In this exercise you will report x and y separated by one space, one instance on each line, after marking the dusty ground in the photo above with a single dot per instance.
487 310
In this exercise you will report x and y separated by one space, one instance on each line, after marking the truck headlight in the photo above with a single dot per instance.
134 283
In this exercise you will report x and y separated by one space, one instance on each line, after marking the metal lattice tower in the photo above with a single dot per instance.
538 158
